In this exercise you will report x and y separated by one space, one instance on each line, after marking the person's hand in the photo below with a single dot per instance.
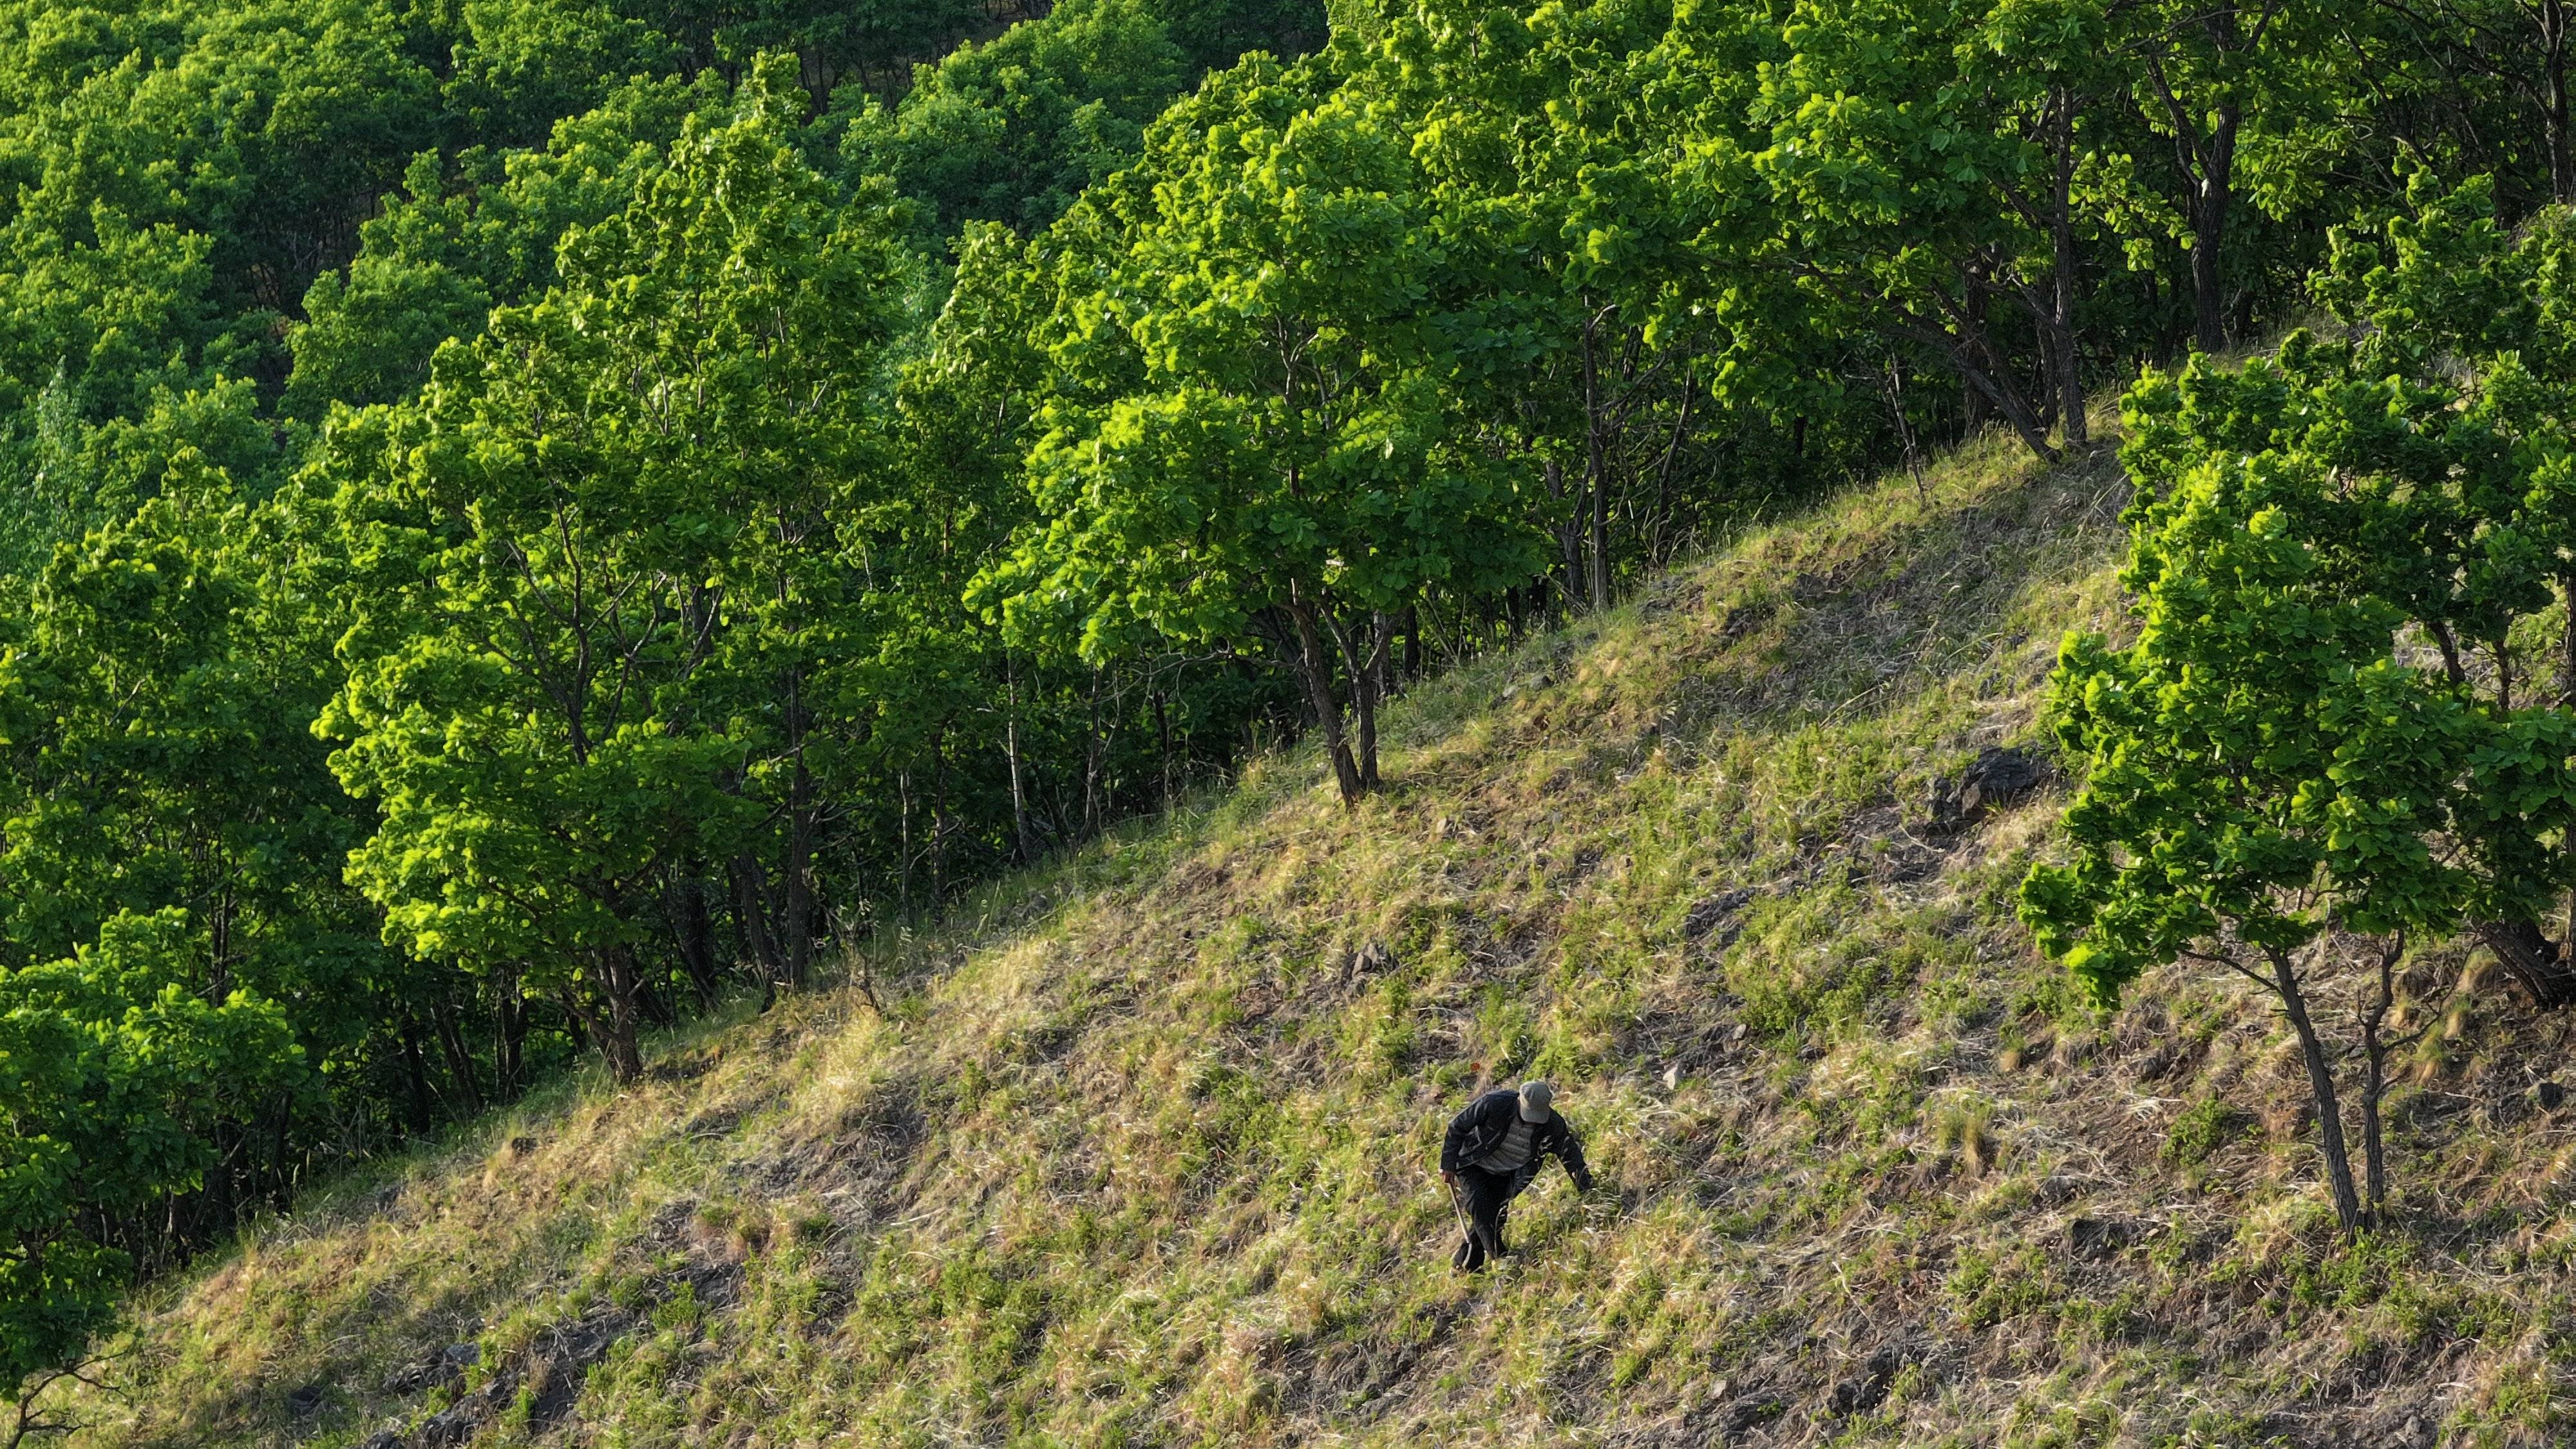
1448 1177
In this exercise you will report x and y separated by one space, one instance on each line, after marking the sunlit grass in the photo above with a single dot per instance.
1139 1149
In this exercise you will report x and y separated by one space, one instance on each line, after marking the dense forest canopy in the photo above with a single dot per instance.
528 518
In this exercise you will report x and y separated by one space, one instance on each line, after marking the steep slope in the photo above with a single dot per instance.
1139 1152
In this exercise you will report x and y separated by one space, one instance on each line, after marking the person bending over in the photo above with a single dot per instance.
1492 1151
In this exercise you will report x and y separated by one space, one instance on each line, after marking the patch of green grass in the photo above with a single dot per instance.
2201 1130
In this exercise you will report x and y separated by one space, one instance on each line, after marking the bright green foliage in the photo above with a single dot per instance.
1253 430
444 254
114 1070
1552 145
2242 97
2334 722
707 487
155 697
610 494
267 129
1910 165
2261 762
2265 778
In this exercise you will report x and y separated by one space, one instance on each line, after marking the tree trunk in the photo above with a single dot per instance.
2533 961
797 921
576 1019
618 1028
796 887
1011 752
1315 667
1163 740
1368 689
939 819
460 1062
417 1074
1569 532
2067 355
751 916
2554 111
2374 1086
903 836
219 941
2005 394
1974 297
1093 747
2212 195
650 1006
693 933
2321 1089
510 1013
1596 468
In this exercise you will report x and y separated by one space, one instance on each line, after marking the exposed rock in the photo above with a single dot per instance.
1375 958
2090 1240
2055 1191
445 1366
1751 1413
1997 777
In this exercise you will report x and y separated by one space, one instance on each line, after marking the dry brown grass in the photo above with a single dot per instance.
1140 1151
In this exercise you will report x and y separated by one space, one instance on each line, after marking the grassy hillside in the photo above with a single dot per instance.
1140 1152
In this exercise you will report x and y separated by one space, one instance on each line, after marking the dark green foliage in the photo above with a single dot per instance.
119 1075
466 235
711 473
1013 129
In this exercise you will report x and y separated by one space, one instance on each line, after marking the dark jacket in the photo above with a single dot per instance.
1480 1128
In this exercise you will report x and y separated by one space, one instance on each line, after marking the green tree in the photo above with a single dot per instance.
1013 129
2242 97
155 699
1253 436
114 1069
470 234
523 65
1553 172
596 528
1910 165
2267 782
2352 707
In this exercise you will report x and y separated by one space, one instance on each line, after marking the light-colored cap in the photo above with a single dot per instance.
1534 1099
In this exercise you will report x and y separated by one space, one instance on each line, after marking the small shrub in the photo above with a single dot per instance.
2200 1132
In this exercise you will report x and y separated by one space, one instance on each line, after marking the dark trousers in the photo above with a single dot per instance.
1487 1198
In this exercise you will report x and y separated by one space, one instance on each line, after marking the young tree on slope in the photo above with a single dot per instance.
1252 437
2267 783
2351 712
